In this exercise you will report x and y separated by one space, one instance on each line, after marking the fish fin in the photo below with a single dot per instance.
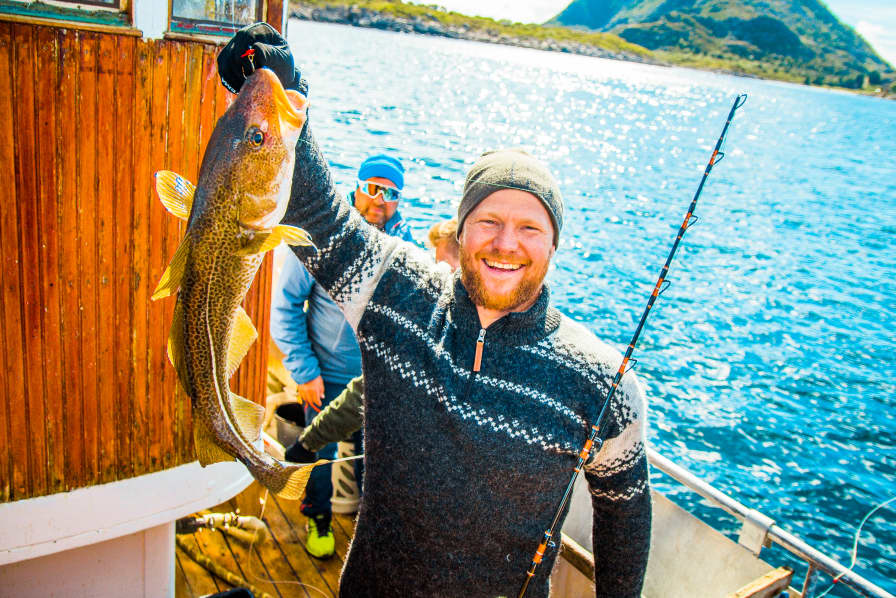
242 337
207 450
176 345
260 243
293 235
295 478
175 192
282 233
248 417
174 274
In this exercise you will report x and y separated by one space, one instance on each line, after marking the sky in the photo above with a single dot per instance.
875 20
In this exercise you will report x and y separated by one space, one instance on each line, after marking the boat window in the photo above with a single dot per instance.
215 17
109 3
89 12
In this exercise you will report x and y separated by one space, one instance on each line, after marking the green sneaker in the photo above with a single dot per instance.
320 542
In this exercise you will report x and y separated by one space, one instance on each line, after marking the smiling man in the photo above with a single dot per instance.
478 393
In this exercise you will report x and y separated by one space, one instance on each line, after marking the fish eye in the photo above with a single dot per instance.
255 136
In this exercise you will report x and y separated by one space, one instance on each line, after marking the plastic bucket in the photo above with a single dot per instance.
345 488
290 422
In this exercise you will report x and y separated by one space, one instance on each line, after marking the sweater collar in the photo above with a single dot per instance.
515 328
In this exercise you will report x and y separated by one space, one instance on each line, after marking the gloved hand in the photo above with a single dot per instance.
253 47
299 454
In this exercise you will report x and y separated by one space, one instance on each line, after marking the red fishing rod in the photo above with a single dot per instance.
594 442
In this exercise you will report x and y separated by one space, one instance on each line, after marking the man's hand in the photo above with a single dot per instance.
311 392
253 47
297 453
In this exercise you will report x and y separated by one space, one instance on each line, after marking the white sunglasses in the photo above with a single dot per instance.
372 189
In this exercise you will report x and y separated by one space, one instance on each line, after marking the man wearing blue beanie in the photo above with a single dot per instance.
320 348
380 182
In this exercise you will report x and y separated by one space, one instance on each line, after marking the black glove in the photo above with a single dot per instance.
299 454
253 47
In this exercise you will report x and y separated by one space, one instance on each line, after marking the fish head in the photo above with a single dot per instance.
251 153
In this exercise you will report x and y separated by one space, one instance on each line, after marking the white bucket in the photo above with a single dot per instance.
345 488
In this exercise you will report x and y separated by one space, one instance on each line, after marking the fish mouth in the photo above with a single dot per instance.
289 103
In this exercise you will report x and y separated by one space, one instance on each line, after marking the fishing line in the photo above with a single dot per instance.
267 579
855 544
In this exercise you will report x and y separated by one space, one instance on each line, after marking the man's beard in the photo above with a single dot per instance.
379 223
528 289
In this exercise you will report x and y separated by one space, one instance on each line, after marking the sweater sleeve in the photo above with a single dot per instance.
341 418
620 498
350 254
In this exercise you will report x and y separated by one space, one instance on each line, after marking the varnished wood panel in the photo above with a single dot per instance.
88 182
156 313
49 259
123 244
67 204
29 246
7 172
15 470
105 237
88 394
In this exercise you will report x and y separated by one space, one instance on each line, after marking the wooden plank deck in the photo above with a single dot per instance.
279 565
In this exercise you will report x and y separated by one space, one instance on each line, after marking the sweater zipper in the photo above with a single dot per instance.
477 361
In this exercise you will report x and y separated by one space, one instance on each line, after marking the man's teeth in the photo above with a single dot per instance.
503 265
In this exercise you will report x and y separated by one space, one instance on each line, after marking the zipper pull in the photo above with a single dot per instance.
480 342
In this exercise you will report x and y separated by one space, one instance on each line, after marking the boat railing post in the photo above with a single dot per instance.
811 582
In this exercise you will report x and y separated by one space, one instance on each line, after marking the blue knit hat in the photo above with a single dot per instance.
383 166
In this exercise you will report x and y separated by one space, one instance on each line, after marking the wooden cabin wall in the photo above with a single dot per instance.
88 394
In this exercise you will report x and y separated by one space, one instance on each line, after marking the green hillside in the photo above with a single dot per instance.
797 40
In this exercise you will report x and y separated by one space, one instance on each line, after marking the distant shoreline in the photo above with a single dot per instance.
361 16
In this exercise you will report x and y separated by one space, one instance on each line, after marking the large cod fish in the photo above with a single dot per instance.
232 220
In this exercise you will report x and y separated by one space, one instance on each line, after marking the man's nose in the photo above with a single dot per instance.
505 240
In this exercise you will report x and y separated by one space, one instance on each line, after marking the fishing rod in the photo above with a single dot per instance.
594 442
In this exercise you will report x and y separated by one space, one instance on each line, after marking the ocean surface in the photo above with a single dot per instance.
769 363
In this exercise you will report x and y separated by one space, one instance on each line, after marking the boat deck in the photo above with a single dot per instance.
281 558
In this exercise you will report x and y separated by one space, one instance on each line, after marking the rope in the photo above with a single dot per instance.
855 544
264 502
217 570
230 524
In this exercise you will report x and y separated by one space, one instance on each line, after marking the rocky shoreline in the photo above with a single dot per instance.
358 16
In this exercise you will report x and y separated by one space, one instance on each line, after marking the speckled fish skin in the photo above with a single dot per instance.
243 189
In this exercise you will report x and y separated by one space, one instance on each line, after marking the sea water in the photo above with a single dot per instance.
769 363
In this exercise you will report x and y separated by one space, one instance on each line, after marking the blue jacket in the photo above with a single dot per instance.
318 342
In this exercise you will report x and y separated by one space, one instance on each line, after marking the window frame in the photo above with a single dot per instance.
187 26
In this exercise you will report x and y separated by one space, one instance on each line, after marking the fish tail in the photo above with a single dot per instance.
289 481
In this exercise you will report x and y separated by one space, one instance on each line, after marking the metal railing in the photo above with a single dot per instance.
758 530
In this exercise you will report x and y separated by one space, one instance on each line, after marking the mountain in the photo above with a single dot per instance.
763 37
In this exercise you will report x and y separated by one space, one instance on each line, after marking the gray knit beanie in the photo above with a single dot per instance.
511 169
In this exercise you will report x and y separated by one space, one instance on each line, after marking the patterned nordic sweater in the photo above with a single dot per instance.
464 469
